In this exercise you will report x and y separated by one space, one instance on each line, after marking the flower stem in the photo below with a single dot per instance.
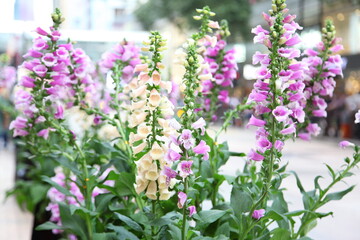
183 230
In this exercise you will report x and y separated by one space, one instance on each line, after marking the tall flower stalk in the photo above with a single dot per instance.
278 94
150 111
323 66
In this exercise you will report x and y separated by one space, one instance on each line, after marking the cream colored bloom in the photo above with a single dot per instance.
139 148
134 138
139 91
143 130
165 194
138 104
141 184
166 85
154 98
156 151
162 182
152 174
141 68
156 78
144 163
151 190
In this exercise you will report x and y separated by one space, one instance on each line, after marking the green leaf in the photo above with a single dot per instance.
332 172
128 221
125 184
175 232
102 201
295 213
123 233
72 222
38 192
275 215
237 154
104 236
57 186
48 226
309 226
316 183
210 216
240 201
81 211
224 229
338 195
298 182
281 234
305 238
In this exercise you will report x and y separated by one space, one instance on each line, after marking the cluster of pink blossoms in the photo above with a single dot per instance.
7 77
54 74
319 79
126 53
279 90
77 199
223 67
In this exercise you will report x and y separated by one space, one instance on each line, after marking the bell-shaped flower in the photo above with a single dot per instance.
156 78
140 184
151 190
165 194
143 130
152 174
156 152
182 197
185 168
200 124
154 98
202 148
139 147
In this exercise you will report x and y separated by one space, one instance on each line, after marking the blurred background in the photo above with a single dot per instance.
97 24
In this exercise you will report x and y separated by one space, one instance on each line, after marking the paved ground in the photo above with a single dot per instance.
307 158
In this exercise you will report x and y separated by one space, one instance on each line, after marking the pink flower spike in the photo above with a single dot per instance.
199 124
172 155
279 145
305 136
185 168
344 144
41 31
281 113
43 133
59 112
40 70
182 197
202 148
257 214
187 139
27 81
357 117
289 130
169 173
192 210
253 155
293 41
253 121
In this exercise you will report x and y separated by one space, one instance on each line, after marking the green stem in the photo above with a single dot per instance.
183 230
320 201
153 232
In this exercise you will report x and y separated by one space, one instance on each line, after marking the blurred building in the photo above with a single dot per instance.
94 24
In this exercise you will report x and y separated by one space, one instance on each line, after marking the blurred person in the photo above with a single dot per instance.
335 115
352 105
